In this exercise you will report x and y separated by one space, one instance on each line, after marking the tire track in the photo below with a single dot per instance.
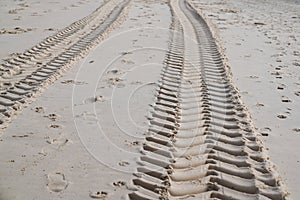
200 143
23 75
48 48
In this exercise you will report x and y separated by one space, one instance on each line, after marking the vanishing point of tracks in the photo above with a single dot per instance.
23 75
200 143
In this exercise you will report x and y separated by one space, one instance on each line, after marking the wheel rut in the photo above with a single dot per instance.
200 143
23 75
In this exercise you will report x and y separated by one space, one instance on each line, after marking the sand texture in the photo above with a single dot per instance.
134 99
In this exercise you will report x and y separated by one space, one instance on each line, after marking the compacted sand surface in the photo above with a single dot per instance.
261 42
174 99
26 23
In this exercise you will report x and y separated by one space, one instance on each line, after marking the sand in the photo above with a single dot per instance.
70 156
261 43
23 22
127 109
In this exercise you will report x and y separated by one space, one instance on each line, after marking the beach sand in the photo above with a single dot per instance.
261 43
113 104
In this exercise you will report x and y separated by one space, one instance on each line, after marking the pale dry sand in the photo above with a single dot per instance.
261 40
73 141
82 137
25 23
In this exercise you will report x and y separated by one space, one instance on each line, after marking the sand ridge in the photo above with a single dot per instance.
200 139
25 74
151 112
260 42
48 161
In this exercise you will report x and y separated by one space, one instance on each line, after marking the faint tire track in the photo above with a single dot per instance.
22 76
200 143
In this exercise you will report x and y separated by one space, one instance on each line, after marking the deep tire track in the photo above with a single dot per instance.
22 76
200 143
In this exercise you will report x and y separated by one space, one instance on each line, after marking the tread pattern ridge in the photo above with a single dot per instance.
24 75
200 142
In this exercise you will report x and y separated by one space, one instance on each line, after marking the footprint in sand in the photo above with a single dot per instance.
253 77
129 62
24 5
23 135
132 143
114 71
123 163
259 105
296 53
57 182
281 87
16 30
276 73
49 29
52 116
54 126
99 195
281 116
69 81
39 109
115 82
98 98
58 142
285 99
265 131
54 144
119 183
15 11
